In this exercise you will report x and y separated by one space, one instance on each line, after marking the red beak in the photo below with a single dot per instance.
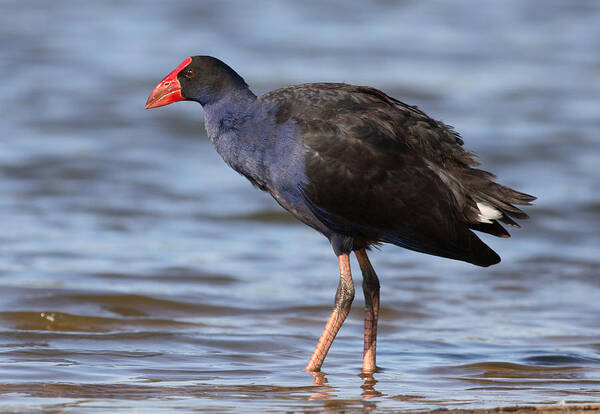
168 90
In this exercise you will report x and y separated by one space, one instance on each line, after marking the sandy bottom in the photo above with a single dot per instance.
530 409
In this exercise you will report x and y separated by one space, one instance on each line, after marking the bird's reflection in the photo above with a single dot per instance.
327 391
324 391
368 386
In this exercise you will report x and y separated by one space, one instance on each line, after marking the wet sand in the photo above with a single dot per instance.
572 409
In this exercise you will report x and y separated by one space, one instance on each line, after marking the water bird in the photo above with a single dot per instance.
356 165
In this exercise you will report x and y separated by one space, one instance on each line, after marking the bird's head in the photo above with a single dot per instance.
203 79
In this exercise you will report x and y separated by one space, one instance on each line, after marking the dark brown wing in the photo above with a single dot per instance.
380 170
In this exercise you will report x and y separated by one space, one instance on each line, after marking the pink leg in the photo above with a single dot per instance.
343 301
371 291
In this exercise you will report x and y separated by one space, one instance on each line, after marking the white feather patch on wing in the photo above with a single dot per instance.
487 213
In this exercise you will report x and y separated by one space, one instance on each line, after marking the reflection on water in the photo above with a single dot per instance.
139 273
368 387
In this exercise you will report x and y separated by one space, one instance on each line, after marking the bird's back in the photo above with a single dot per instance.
379 170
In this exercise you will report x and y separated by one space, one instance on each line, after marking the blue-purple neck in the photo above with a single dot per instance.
228 112
231 126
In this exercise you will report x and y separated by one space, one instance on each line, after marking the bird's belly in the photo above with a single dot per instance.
293 202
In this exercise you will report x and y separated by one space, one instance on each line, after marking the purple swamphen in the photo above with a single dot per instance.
354 164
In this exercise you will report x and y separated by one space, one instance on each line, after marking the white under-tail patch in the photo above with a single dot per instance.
487 213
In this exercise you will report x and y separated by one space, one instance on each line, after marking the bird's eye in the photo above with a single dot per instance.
189 73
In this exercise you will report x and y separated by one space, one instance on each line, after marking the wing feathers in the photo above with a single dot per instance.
380 170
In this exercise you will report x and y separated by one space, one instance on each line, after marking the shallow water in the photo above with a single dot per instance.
139 273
